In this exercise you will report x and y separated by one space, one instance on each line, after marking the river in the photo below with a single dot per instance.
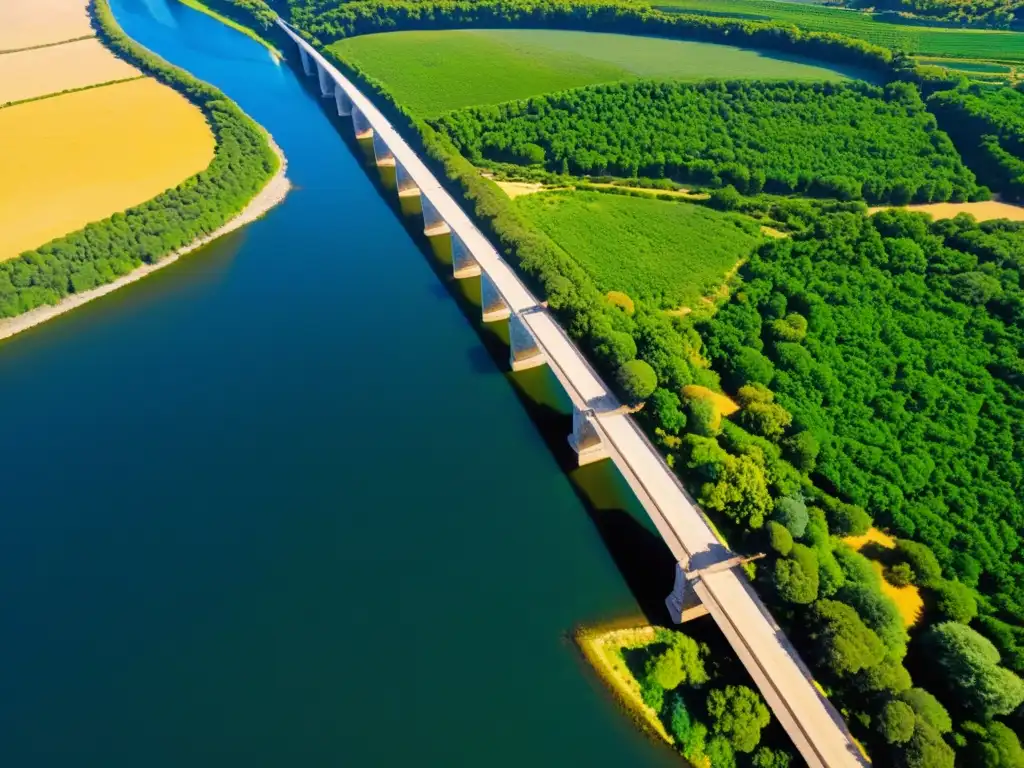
277 504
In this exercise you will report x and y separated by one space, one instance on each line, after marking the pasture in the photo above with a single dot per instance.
432 73
53 69
665 253
927 41
83 156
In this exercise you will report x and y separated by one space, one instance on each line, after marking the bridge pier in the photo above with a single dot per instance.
433 222
382 152
585 439
360 124
343 102
463 263
524 352
406 186
492 305
326 82
683 604
307 61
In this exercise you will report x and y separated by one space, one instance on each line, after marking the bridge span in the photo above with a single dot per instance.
706 581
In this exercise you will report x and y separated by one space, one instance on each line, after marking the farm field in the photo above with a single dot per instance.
982 211
26 24
928 41
57 68
669 254
83 156
432 73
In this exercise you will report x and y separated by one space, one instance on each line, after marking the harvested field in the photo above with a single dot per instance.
42 71
83 156
29 23
985 211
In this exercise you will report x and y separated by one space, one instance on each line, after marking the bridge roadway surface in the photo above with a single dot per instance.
813 724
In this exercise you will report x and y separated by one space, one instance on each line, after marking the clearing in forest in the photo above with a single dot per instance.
30 23
83 156
431 73
57 68
669 254
908 599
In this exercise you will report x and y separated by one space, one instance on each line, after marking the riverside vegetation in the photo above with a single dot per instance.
908 335
243 162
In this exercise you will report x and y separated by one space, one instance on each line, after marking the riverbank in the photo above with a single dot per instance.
249 32
273 192
602 648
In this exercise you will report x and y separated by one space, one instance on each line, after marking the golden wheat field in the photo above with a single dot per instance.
27 23
42 71
83 156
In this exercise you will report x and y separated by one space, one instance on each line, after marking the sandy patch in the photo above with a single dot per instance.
725 404
26 23
83 156
985 211
43 71
908 599
272 194
516 189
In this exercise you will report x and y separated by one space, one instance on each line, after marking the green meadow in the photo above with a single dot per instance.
666 253
432 73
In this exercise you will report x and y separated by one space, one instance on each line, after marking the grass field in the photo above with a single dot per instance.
669 254
83 156
29 23
908 599
928 41
42 71
432 73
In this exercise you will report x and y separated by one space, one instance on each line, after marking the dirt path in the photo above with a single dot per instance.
273 193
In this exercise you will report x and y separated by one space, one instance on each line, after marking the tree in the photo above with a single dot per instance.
802 450
738 713
928 708
690 734
955 601
896 722
637 381
749 365
880 613
847 519
779 538
703 416
771 758
792 513
666 669
615 348
766 419
665 405
927 571
842 640
720 752
888 676
972 672
900 574
992 746
739 491
796 577
925 749
725 198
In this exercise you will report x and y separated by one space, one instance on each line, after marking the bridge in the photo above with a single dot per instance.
706 579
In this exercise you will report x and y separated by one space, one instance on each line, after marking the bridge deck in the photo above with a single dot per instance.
816 729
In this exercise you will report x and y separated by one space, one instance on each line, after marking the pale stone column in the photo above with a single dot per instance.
585 439
492 305
406 186
523 350
433 221
360 124
381 151
307 62
326 81
463 263
343 102
683 604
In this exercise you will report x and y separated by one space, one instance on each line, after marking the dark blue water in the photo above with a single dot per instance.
276 506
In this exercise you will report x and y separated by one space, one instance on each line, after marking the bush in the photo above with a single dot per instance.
637 381
725 198
900 574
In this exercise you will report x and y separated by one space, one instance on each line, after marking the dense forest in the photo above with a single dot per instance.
987 125
842 140
1000 14
897 345
243 162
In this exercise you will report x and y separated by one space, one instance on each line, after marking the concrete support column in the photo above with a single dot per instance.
406 186
433 221
523 349
585 439
683 604
463 263
343 102
492 305
326 81
307 61
381 151
360 124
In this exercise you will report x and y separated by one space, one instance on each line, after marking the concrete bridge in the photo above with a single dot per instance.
706 581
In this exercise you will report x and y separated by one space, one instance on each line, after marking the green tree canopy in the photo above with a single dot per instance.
637 380
842 640
896 722
738 713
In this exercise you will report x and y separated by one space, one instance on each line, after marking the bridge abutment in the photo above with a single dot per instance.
683 604
463 263
343 102
492 306
307 61
524 352
585 439
326 82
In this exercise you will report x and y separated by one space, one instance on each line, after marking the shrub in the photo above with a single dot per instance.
725 198
900 574
637 380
